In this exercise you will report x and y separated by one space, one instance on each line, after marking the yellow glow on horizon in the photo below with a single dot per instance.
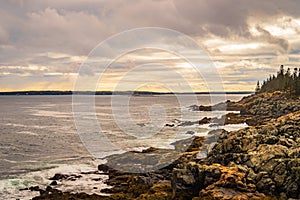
69 86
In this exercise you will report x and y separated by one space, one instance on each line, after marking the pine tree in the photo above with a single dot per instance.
298 83
281 72
295 73
257 89
294 85
285 80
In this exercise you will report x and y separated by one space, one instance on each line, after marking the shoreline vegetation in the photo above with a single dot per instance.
261 161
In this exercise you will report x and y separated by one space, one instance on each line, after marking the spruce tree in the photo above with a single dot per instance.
257 89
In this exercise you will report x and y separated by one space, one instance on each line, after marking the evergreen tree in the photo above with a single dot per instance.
298 83
286 81
257 89
281 71
294 85
288 72
295 73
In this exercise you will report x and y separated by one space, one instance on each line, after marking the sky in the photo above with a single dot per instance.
46 45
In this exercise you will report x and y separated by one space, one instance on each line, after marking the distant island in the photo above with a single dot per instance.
111 93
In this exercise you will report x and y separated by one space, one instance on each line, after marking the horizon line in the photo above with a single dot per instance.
70 92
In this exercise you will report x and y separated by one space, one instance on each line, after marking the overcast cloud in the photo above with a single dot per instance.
43 43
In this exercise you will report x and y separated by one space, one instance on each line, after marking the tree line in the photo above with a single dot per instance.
285 80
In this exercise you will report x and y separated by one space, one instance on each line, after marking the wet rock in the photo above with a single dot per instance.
189 144
170 125
229 118
228 105
205 108
205 120
150 149
194 108
96 179
59 177
103 167
53 183
190 132
188 123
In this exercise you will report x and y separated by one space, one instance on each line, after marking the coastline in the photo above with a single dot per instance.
258 162
147 93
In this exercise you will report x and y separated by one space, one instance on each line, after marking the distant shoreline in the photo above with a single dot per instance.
25 93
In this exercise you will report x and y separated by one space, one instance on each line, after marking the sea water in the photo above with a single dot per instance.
39 136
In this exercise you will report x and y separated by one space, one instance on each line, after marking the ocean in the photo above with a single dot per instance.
41 136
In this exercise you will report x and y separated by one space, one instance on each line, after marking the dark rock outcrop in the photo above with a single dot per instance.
229 118
266 106
228 105
212 182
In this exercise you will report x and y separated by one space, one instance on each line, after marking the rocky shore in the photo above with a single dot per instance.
261 161
255 109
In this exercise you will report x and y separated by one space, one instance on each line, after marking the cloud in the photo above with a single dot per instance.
3 36
58 35
70 31
267 36
224 18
